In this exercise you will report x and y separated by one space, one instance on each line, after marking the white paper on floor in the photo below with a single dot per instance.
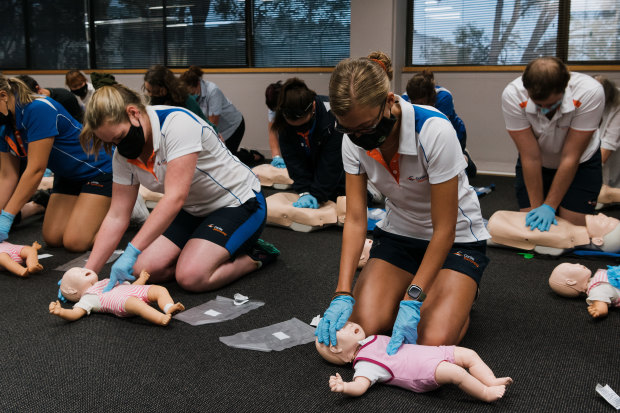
216 311
276 337
81 260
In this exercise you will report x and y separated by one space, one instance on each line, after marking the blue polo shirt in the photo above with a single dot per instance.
45 118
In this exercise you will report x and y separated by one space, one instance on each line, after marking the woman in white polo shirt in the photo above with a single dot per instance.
429 252
212 212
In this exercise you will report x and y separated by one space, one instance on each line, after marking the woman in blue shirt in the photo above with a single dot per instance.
38 133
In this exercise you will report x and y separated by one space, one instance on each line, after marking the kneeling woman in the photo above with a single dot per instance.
39 133
212 211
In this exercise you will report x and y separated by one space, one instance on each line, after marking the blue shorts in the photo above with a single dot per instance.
99 185
582 193
235 228
406 253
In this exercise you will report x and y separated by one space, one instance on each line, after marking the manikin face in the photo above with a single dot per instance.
350 335
76 281
600 225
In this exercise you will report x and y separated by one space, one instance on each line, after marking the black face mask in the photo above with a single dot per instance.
373 140
305 127
132 144
7 119
81 92
159 100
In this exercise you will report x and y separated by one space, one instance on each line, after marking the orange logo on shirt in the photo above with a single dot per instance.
576 103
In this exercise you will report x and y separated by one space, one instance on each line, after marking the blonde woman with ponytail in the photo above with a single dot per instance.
428 253
39 133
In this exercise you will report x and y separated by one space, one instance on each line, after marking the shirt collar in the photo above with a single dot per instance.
567 104
155 127
407 145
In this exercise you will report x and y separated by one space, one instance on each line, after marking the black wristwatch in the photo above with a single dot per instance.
415 293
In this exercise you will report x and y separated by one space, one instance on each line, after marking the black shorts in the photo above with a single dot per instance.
406 253
99 185
235 228
582 193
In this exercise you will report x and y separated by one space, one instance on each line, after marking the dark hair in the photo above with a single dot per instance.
161 78
271 95
294 97
191 77
545 76
29 81
612 96
422 86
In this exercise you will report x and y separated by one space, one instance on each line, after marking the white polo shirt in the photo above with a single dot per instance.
581 109
220 179
428 153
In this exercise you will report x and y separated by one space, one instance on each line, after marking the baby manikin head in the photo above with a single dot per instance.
569 280
604 231
76 281
348 338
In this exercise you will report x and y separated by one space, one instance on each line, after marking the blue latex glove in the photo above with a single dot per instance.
6 220
123 267
405 328
278 162
306 201
334 319
541 218
61 297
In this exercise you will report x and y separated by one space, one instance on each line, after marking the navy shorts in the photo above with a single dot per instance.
99 185
582 193
235 228
406 253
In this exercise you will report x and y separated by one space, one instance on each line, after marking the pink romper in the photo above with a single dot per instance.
13 251
412 367
114 300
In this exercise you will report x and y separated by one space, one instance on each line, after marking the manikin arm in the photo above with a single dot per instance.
357 387
67 314
142 279
598 309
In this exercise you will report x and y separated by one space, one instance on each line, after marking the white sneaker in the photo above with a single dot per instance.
140 212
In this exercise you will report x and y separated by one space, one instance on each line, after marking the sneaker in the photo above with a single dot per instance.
263 253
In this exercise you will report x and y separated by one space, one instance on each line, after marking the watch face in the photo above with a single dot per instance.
414 292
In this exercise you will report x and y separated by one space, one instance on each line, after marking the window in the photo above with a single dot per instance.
126 34
512 32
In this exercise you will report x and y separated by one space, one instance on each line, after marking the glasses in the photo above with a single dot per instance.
295 115
362 130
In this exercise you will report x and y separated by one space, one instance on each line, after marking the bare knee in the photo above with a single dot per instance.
52 239
437 336
373 322
193 281
76 244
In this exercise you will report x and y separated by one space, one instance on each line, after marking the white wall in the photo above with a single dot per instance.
377 25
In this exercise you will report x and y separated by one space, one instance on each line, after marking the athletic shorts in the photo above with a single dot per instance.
235 228
406 253
582 193
99 185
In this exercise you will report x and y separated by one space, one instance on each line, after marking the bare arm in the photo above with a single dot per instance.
142 279
113 226
444 207
214 119
179 177
66 314
531 162
274 145
357 387
354 233
605 154
576 142
9 176
38 154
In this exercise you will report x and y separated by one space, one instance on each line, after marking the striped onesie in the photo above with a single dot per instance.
114 300
600 289
13 251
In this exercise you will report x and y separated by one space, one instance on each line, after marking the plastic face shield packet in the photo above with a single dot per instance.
216 311
81 261
275 337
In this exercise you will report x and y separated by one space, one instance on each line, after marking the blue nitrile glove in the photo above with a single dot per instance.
6 220
61 297
278 162
306 201
334 319
541 218
405 328
123 267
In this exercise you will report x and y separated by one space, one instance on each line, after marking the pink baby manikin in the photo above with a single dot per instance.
13 256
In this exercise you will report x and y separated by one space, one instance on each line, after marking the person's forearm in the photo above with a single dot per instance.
532 176
561 182
8 183
434 257
26 187
108 237
274 145
158 221
605 154
353 237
